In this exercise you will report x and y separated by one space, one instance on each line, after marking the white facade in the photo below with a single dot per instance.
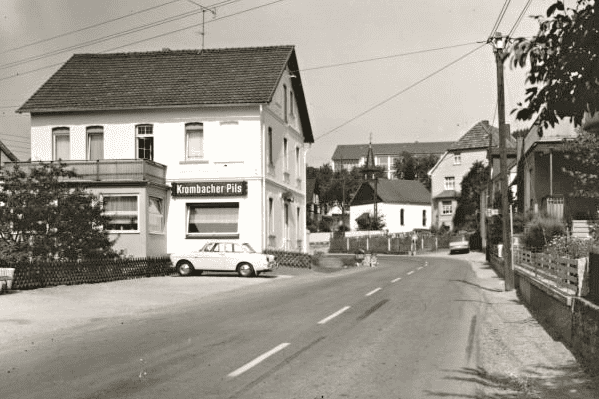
261 146
399 218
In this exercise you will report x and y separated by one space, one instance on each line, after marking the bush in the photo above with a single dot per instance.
541 231
570 247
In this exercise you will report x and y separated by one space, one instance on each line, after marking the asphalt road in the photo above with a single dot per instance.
406 329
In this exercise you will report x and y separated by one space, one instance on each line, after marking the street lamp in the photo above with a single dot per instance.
498 41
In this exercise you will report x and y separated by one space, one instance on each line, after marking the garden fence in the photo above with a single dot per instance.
291 259
31 275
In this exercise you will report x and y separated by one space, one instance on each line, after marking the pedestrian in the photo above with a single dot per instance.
414 244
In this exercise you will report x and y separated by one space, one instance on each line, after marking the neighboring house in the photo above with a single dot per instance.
544 185
348 156
6 155
455 163
183 146
404 204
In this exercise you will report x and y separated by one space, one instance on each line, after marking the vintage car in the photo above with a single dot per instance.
459 243
224 257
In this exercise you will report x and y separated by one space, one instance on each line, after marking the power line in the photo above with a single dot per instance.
506 4
519 19
146 39
400 92
387 56
87 27
109 37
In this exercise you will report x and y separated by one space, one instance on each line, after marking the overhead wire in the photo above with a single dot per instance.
110 36
519 19
147 39
502 12
400 92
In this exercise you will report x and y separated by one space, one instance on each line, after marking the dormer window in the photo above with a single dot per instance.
145 141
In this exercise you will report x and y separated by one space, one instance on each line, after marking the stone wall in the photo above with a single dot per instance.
585 333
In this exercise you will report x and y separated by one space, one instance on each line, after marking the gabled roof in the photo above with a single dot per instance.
392 192
478 138
8 152
170 78
357 151
447 194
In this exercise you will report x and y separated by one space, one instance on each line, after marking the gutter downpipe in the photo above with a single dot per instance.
263 176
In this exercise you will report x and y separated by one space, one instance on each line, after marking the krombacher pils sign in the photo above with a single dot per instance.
210 189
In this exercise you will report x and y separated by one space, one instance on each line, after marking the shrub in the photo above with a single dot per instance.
570 247
541 231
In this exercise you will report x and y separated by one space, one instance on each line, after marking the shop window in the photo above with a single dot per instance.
61 143
213 219
446 208
156 215
123 212
194 141
95 143
145 141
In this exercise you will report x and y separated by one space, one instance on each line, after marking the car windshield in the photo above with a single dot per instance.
458 238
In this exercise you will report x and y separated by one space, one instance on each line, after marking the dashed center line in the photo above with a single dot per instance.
395 280
259 359
420 268
373 291
337 313
410 272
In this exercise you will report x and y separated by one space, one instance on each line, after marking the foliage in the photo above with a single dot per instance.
467 211
541 231
45 216
367 221
408 167
570 247
582 155
563 64
325 224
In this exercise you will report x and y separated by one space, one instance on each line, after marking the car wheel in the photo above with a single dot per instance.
245 270
184 268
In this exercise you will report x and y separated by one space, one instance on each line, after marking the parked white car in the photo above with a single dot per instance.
224 257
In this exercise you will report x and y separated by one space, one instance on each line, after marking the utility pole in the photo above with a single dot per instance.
498 47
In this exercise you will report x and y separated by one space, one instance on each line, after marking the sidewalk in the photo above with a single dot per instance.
517 357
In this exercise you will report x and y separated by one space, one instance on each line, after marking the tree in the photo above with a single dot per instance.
43 215
563 64
408 167
468 208
366 221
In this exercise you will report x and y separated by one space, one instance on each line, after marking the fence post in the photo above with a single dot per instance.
347 243
388 244
367 243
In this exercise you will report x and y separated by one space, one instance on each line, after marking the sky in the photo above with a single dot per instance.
398 71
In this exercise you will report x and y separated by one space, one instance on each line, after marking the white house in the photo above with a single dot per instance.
456 162
183 146
404 204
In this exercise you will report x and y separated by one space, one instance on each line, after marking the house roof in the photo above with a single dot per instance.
357 151
447 194
393 192
169 78
478 137
8 152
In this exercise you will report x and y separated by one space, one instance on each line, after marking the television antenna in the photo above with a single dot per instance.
204 9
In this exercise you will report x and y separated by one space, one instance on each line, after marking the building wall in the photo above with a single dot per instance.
235 140
447 167
413 217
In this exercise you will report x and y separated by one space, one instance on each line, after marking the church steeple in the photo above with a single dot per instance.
369 168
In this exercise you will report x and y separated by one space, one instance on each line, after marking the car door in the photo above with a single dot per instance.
207 258
220 259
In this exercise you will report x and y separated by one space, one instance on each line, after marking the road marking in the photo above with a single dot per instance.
420 268
259 359
395 280
337 313
373 291
410 272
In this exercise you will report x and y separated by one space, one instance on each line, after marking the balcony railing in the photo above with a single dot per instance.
111 170
554 206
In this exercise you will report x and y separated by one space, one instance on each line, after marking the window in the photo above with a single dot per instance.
194 141
450 183
213 218
446 208
424 218
62 143
285 103
122 211
145 142
457 159
271 220
95 143
156 215
401 217
271 161
291 103
285 155
298 169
